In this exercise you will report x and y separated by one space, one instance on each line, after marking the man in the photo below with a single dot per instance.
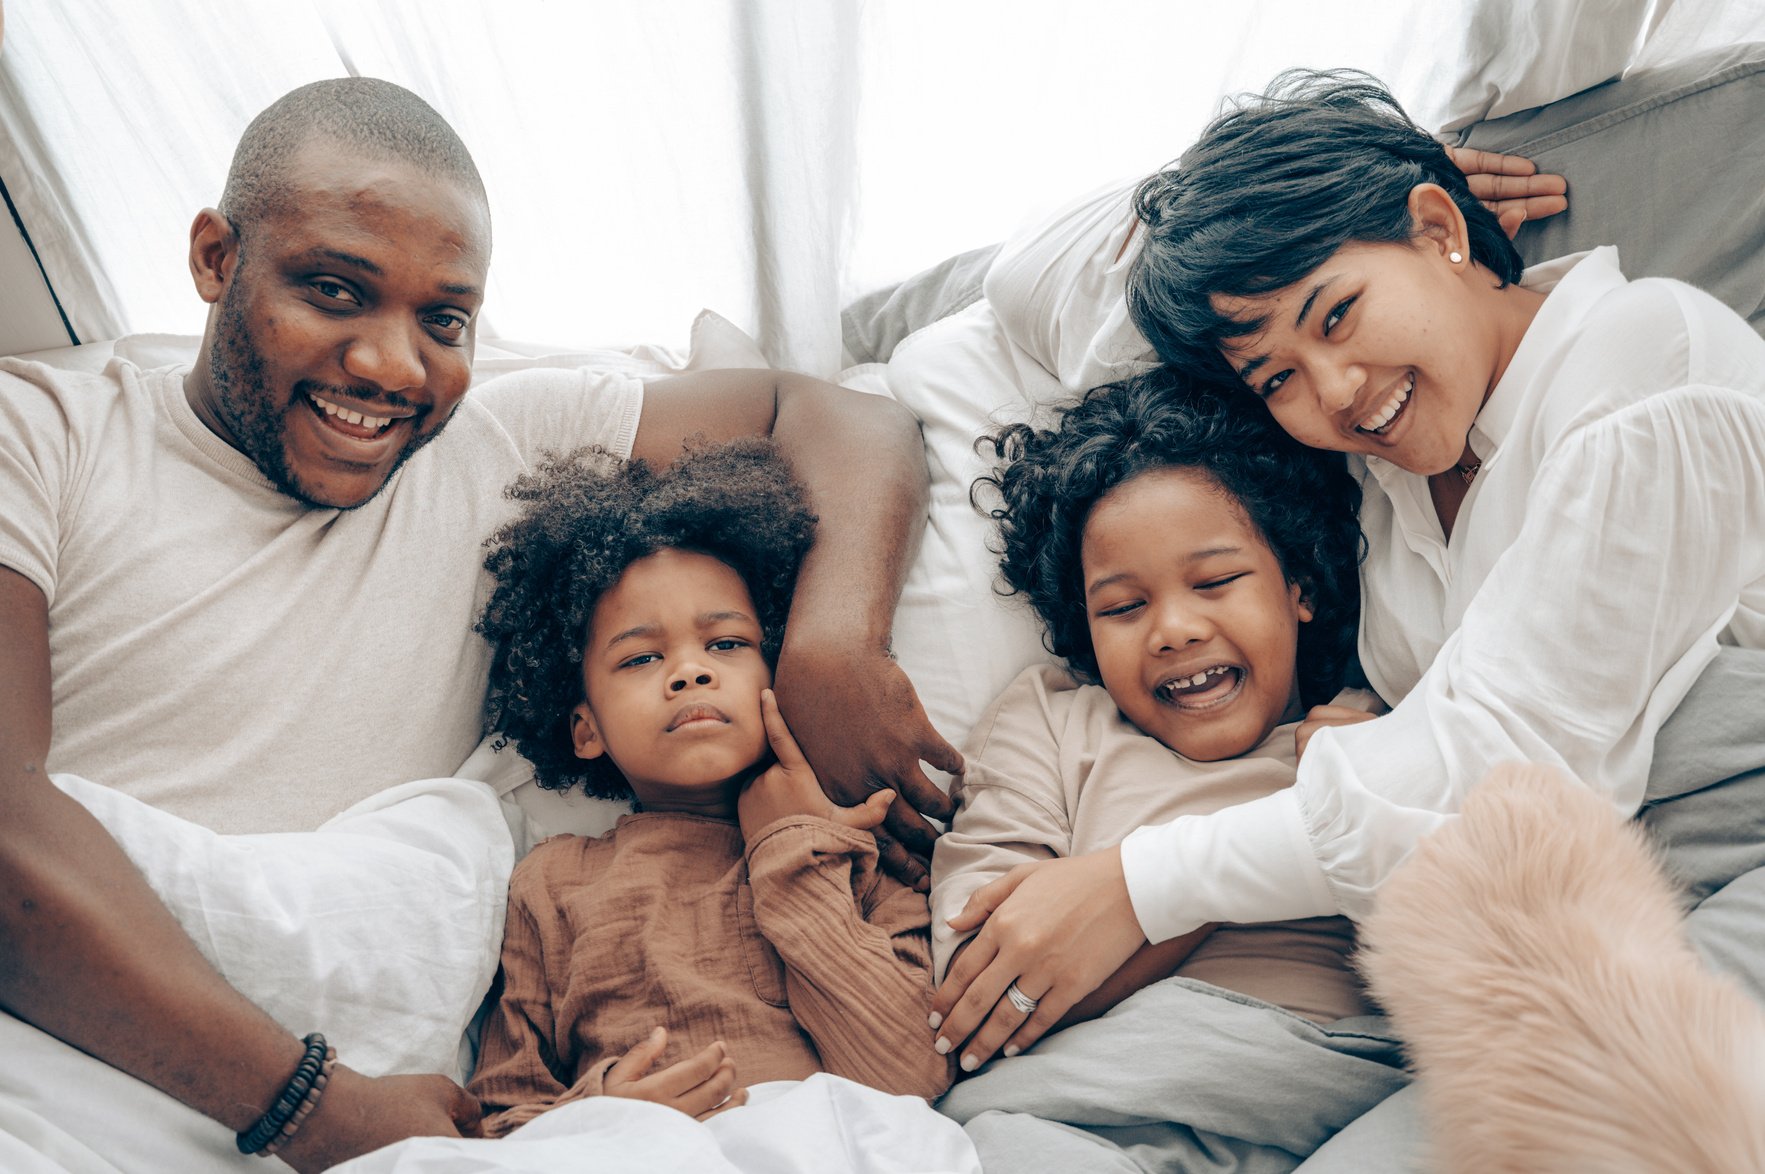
243 593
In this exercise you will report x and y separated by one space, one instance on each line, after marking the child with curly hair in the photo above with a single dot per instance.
1197 571
735 927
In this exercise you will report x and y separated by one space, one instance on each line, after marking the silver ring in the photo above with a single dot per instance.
1020 1000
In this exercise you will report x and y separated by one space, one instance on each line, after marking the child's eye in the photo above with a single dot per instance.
1273 383
1337 313
1215 584
1121 609
641 659
727 644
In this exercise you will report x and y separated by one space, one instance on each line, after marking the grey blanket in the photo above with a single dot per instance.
1185 1078
1181 1077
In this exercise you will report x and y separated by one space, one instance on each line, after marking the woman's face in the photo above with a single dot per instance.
1386 350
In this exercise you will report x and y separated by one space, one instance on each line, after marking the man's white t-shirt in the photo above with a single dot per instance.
223 652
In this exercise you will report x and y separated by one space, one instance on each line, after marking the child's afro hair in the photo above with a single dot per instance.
585 517
1302 501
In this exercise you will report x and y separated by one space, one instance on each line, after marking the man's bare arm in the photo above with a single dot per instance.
862 459
89 954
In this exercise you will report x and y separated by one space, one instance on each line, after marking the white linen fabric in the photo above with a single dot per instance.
823 1125
1615 535
187 594
381 929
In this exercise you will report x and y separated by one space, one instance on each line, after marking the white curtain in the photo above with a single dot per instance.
766 158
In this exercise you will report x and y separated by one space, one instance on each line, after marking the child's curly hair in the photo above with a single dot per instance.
1302 501
587 516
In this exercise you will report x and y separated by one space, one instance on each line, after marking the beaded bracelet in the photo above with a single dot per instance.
307 1104
304 1086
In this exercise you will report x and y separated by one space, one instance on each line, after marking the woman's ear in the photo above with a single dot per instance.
214 254
584 734
1438 221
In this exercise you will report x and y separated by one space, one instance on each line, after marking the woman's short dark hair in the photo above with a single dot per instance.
585 517
1271 190
1301 500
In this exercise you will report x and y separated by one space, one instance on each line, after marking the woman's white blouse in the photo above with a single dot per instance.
1613 537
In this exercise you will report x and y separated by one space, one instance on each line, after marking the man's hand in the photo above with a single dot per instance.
1057 928
789 787
1319 716
358 1114
1510 186
700 1086
861 724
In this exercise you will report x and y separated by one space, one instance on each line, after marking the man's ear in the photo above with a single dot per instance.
584 734
1439 222
214 254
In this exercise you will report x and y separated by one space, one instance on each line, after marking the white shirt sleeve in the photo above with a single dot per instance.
1642 529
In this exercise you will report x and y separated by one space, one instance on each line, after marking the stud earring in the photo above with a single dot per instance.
1455 256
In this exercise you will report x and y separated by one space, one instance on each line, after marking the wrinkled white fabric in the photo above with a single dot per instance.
822 1125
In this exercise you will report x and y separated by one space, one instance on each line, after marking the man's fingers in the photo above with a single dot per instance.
633 1064
1497 188
467 1114
1474 162
910 828
900 863
935 750
784 747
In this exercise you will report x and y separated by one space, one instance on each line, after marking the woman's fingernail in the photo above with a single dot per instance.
942 1047
934 1020
1011 1050
969 1063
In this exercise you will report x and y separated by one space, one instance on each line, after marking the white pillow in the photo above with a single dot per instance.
381 929
1517 56
959 641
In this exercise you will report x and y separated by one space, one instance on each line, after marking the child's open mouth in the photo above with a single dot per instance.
1203 690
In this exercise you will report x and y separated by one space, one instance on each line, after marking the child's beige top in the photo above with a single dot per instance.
799 954
1055 770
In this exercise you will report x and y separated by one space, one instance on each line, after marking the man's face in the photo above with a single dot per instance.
343 336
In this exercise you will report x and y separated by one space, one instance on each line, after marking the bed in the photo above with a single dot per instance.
939 344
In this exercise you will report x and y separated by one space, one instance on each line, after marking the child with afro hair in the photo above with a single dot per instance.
735 927
1197 571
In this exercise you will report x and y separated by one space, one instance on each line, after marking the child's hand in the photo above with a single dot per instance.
789 786
700 1086
1320 716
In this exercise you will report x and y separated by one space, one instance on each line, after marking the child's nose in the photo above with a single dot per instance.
1178 626
691 676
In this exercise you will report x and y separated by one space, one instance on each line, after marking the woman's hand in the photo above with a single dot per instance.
861 724
1056 928
788 787
1510 186
700 1086
1319 716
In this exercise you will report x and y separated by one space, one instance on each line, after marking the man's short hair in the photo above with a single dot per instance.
366 114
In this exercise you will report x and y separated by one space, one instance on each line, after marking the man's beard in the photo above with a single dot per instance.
259 424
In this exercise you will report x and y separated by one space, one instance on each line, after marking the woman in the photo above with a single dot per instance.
1564 503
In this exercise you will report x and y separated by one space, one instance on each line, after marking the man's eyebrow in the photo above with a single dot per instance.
455 288
350 259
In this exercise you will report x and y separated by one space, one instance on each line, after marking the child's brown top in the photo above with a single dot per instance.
799 954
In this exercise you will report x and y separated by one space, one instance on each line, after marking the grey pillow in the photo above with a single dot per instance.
1666 164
